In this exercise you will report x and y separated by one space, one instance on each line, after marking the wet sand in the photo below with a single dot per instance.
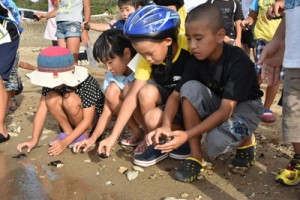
86 176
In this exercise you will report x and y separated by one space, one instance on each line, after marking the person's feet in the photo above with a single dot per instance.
189 170
290 176
141 147
135 138
268 116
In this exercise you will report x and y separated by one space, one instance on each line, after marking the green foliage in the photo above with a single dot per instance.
97 6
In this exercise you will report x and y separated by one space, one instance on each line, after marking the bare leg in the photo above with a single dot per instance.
73 44
54 104
270 95
191 119
3 104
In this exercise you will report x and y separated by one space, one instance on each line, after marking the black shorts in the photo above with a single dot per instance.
248 38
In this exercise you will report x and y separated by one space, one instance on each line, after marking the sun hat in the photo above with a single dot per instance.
56 67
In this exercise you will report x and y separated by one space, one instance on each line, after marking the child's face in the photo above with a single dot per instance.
202 41
126 10
118 64
154 52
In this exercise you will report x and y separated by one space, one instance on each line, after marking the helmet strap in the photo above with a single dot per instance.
168 67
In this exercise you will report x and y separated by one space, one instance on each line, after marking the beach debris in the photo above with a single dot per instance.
137 168
122 170
108 183
88 160
131 175
56 163
184 195
20 156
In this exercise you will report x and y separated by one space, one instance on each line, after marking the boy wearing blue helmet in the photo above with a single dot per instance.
219 95
153 32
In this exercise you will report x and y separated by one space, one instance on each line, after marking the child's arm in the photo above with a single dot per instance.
59 145
168 117
98 26
38 124
250 20
272 55
238 30
126 110
102 124
208 124
48 15
87 16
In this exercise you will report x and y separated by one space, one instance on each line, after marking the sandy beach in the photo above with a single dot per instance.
86 176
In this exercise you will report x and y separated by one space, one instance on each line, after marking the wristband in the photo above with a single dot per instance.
86 26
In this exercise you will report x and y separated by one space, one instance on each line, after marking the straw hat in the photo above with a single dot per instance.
56 67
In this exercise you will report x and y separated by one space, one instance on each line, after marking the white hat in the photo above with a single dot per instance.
56 67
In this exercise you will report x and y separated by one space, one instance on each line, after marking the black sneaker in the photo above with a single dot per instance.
245 156
149 157
189 170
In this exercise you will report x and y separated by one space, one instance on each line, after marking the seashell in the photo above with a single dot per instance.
137 168
131 175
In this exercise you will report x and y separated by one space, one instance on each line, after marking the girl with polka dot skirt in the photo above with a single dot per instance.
70 94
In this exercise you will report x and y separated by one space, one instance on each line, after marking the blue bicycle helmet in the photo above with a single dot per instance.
153 22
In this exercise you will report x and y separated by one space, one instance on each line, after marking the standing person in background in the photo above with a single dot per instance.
247 35
9 42
69 17
232 16
51 23
264 31
177 5
284 50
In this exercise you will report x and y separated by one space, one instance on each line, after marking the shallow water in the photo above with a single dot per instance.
23 179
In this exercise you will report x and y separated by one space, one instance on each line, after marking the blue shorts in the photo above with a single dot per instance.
66 29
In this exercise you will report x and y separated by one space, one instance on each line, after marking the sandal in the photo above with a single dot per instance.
131 141
189 170
245 156
291 174
140 148
4 139
268 116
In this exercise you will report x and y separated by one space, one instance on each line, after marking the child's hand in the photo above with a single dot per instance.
105 146
40 15
154 137
57 147
30 145
85 144
179 138
245 24
275 10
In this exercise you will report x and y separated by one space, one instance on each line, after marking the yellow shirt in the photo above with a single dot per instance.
143 71
265 28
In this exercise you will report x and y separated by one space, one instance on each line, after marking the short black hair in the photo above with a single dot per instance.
134 3
209 13
111 43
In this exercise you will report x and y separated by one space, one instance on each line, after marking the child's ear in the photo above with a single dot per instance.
127 53
221 35
168 41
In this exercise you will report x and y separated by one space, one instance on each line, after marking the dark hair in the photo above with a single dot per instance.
209 13
111 43
134 3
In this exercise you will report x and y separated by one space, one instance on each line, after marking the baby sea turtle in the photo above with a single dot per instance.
20 156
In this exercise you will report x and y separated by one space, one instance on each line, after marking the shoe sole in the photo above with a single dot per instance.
179 157
150 163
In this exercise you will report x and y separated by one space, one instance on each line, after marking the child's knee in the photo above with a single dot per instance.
112 91
148 93
53 99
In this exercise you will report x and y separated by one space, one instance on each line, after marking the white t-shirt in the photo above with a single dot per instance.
51 24
190 4
292 35
245 7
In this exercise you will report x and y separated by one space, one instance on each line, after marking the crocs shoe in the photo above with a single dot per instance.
189 170
181 152
149 157
60 136
268 116
245 156
290 176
